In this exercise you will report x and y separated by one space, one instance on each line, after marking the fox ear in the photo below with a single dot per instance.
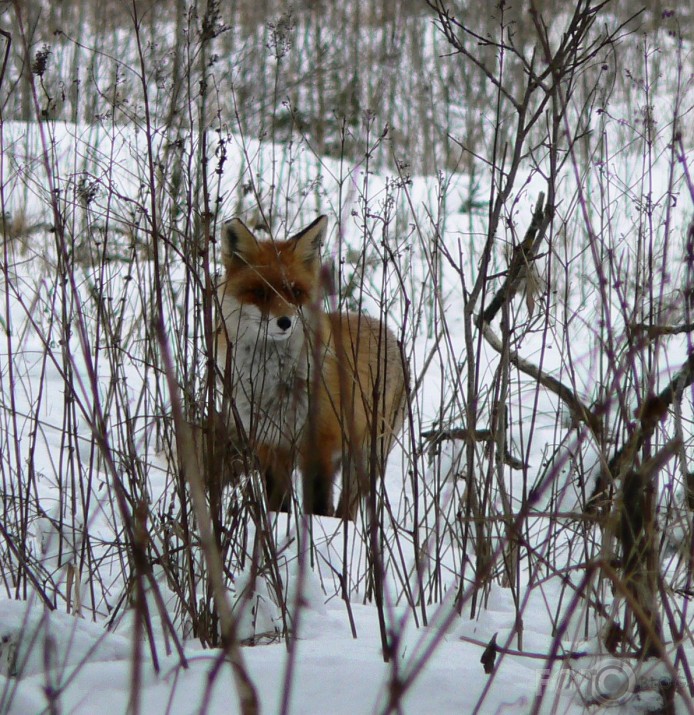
237 240
307 242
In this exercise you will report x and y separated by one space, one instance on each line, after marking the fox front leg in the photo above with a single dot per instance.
276 467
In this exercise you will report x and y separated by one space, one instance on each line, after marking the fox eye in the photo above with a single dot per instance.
258 294
297 294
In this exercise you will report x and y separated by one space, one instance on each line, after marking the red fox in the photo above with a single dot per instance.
307 388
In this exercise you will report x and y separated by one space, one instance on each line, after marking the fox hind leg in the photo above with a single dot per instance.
352 490
318 470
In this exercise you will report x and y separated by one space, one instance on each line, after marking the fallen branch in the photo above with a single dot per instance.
579 411
523 255
655 331
436 436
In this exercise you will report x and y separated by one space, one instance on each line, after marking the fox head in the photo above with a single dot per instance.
268 282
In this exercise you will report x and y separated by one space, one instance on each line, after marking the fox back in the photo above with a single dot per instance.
306 387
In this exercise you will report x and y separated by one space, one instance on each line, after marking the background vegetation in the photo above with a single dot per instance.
512 190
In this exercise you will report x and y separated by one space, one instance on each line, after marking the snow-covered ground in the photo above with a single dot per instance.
86 654
82 668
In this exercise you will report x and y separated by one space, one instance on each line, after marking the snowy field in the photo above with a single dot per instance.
52 659
90 481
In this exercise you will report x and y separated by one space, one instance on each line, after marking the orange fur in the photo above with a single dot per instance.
306 387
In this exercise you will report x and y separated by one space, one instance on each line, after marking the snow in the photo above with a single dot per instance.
80 654
334 673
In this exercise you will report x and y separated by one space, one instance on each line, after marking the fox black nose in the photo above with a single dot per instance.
284 323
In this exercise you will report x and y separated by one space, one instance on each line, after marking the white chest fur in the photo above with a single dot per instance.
269 378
